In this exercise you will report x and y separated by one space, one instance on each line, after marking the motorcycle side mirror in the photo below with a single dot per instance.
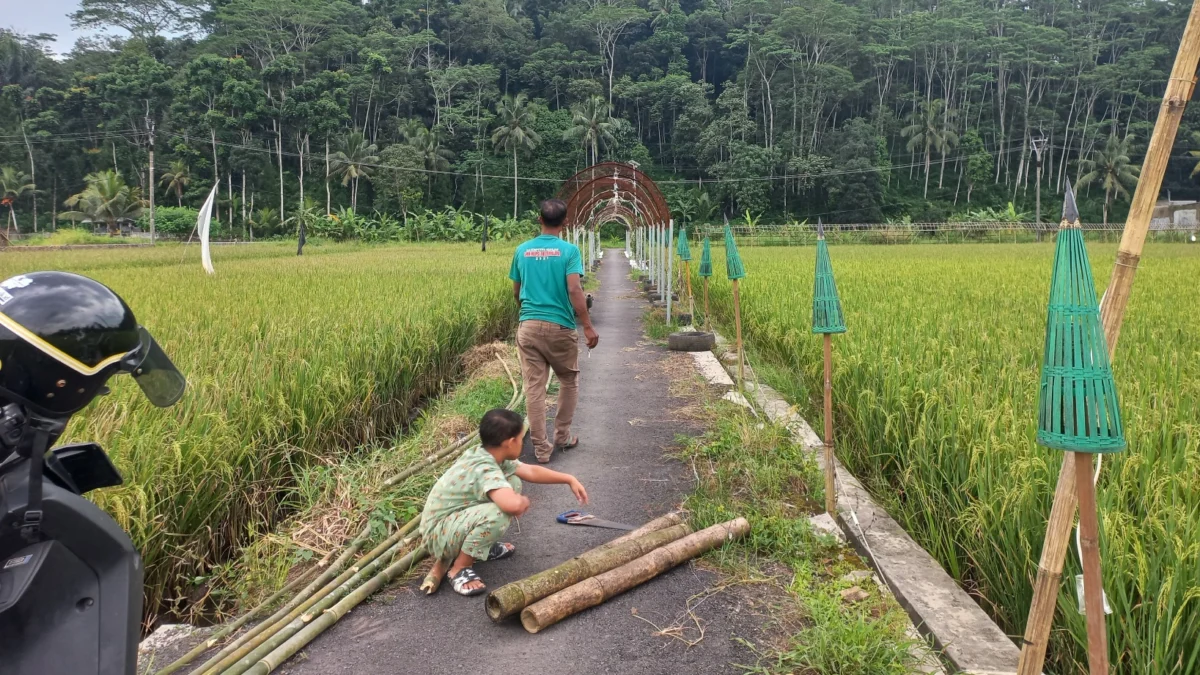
82 467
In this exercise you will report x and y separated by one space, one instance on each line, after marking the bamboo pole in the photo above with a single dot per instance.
270 642
737 322
1112 315
1093 587
707 324
670 251
598 589
687 273
215 638
511 598
1137 224
830 486
332 615
297 607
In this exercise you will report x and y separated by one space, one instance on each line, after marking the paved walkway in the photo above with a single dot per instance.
628 480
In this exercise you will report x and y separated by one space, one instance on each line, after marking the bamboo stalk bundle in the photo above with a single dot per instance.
598 589
299 605
216 637
332 615
511 598
270 642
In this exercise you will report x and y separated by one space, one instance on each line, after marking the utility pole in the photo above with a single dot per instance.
1039 144
150 186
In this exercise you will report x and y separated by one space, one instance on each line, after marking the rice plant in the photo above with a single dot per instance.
936 408
290 361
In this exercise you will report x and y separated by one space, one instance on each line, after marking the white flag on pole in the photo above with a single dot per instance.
202 224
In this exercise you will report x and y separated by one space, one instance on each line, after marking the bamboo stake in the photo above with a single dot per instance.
687 273
707 325
215 638
1112 315
1093 588
333 614
737 321
830 486
511 598
1049 576
598 589
1175 98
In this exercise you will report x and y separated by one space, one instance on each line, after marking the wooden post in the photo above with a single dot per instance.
737 322
830 487
1175 98
1093 587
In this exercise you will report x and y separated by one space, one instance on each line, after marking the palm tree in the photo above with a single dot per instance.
592 125
106 199
177 178
13 185
353 161
515 132
1111 165
427 144
927 128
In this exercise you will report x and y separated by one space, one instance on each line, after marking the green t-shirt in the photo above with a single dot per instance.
541 266
466 484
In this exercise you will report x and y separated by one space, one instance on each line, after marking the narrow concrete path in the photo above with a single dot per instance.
624 422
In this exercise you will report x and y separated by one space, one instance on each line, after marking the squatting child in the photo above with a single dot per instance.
472 504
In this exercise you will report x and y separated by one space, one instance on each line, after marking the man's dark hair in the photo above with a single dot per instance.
499 425
554 212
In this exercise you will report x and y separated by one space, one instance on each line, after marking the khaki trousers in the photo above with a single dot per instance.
546 346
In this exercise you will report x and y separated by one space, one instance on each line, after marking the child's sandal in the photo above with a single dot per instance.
501 551
465 576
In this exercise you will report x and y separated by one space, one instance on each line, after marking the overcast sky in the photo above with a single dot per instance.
42 16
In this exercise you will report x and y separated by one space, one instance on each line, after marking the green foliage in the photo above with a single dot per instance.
106 200
172 220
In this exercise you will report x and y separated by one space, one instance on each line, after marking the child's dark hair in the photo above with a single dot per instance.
499 425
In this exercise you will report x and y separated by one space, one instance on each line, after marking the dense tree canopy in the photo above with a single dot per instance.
852 110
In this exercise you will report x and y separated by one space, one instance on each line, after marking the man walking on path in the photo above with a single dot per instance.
546 274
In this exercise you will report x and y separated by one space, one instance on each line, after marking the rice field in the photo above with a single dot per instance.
290 362
935 388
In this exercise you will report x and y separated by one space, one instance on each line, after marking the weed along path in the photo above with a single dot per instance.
625 421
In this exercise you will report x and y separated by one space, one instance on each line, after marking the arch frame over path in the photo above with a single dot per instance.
613 192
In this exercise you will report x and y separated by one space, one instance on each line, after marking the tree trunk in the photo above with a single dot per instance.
928 153
33 173
279 147
300 145
216 175
151 186
515 181
328 197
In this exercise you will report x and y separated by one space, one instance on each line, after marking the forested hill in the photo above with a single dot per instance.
857 111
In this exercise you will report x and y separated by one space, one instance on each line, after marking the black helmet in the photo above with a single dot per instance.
63 335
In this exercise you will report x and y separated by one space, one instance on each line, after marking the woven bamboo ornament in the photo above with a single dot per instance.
706 260
684 251
827 307
733 262
1078 409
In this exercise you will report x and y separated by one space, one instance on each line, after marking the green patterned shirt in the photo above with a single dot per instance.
466 484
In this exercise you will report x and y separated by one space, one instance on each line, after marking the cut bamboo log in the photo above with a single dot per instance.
511 598
598 589
660 523
330 616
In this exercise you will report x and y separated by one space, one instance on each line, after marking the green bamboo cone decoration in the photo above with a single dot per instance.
684 251
827 308
705 260
733 262
1078 409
